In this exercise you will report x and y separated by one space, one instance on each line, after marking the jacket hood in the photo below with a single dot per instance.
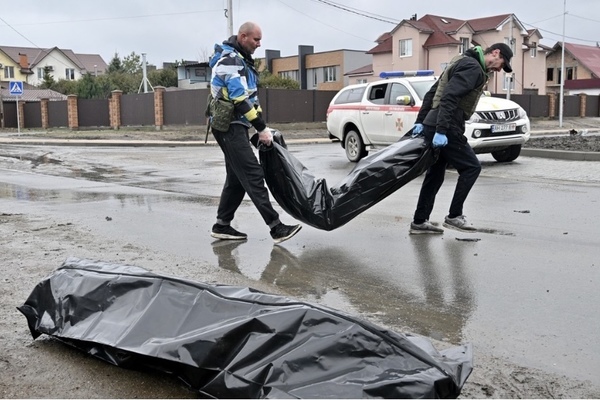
477 53
228 46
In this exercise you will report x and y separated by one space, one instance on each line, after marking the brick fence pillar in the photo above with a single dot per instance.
21 105
582 104
45 116
551 105
72 111
159 109
114 109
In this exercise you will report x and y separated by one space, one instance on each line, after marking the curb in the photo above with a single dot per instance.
525 152
561 154
132 143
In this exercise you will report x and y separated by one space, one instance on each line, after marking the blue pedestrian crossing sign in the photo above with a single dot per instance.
16 88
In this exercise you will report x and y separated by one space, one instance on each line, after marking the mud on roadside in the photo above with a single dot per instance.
33 246
565 143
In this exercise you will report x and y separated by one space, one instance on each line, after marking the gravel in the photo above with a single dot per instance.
566 143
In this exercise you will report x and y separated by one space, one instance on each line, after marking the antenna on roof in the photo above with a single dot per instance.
413 17
145 81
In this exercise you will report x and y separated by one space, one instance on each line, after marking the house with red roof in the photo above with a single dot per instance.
27 64
431 41
582 69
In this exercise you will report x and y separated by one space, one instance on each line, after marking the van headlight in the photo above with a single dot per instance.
474 118
522 113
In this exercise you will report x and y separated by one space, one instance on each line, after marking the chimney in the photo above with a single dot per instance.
23 62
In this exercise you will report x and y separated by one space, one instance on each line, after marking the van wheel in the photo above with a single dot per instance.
355 148
507 155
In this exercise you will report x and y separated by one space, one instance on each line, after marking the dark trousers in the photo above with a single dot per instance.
461 156
244 175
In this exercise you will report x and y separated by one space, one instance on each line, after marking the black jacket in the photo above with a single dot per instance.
467 76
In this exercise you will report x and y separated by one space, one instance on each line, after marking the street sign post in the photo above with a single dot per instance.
16 89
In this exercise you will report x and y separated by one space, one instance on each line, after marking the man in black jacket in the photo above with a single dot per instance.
448 104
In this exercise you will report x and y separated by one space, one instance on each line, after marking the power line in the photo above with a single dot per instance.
547 19
20 34
588 19
560 34
323 23
356 11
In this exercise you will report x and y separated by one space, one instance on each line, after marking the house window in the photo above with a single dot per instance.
549 74
330 74
464 44
293 75
361 80
9 72
508 81
40 73
70 74
533 50
570 74
200 73
405 47
315 77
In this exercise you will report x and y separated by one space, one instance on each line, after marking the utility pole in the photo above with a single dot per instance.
562 72
2 110
510 44
229 15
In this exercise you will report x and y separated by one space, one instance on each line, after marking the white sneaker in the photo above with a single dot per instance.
459 223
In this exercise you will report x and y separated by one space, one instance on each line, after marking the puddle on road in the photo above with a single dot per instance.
34 159
10 191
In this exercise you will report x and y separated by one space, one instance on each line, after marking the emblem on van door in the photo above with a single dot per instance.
399 124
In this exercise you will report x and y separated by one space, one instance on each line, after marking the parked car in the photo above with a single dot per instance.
368 116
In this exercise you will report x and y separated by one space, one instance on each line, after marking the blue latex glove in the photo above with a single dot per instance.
417 130
439 140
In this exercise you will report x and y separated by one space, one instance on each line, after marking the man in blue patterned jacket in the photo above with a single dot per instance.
235 79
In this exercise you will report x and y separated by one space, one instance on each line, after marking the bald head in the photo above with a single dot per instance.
249 36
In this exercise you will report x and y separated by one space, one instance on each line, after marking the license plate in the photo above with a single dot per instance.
504 128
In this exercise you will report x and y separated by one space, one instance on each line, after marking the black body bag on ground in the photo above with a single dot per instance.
375 177
236 342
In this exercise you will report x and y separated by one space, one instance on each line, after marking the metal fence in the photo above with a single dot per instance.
186 107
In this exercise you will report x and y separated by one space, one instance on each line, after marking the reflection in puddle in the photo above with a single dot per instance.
439 305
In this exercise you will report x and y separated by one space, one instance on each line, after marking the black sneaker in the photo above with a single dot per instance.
281 232
226 232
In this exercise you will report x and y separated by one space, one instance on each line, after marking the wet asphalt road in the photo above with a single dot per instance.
523 288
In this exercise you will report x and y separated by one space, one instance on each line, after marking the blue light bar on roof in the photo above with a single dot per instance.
398 74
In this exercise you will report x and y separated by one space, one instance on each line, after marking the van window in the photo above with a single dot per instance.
350 95
377 94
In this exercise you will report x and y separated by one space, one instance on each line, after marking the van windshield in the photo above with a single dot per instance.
421 87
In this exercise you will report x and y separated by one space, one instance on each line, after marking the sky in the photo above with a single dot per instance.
168 31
